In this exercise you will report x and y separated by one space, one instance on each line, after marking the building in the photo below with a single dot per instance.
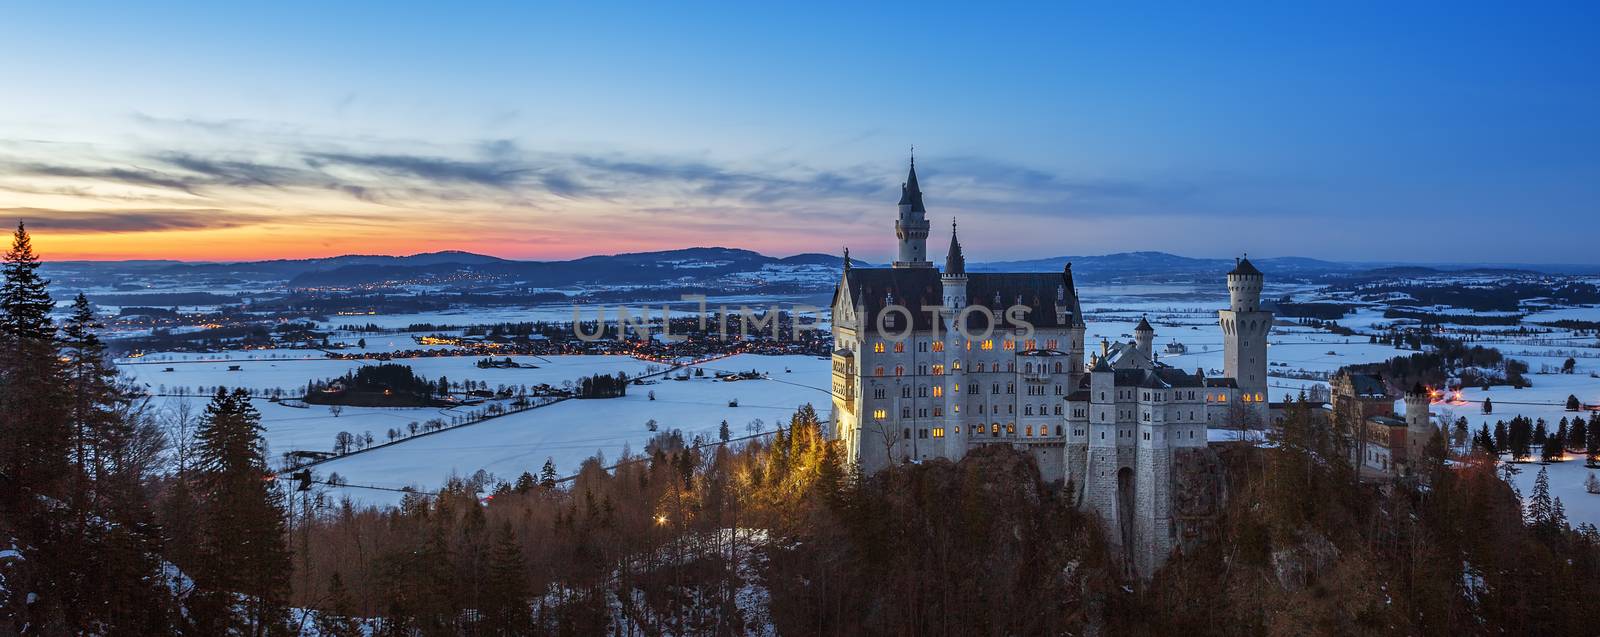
930 364
1384 445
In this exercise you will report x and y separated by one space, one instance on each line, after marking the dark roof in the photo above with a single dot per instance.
1143 326
915 288
1222 382
1244 268
954 261
1368 385
910 193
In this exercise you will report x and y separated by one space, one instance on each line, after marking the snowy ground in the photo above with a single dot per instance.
574 430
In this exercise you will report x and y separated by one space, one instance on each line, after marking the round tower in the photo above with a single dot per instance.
955 274
1244 336
1145 337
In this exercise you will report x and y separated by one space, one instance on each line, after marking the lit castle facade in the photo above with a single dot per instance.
929 364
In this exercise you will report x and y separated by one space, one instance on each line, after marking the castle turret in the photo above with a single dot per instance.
1145 337
955 274
1244 336
911 228
1419 422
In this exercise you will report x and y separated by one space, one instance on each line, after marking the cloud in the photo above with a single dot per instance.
136 220
436 169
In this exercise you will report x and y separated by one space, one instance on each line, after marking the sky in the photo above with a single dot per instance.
1430 132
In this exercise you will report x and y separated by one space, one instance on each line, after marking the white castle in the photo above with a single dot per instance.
930 364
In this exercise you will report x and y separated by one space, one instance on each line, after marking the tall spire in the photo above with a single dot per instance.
910 193
955 264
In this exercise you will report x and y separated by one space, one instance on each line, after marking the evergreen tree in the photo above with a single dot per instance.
1578 436
242 564
24 300
1483 440
525 482
1502 439
722 432
547 475
1540 507
1488 405
1541 433
335 619
1592 446
506 590
1573 404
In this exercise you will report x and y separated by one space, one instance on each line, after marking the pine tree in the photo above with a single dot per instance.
525 482
24 300
1541 433
547 475
1484 440
1540 507
1488 405
334 620
722 432
1592 448
1502 438
506 589
242 554
1578 436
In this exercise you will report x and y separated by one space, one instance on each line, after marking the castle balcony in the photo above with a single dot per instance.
844 363
844 394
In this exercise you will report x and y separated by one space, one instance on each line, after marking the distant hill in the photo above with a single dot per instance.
713 267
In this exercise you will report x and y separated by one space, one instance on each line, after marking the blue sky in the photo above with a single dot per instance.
1426 132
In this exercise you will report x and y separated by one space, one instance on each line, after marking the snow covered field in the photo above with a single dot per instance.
573 430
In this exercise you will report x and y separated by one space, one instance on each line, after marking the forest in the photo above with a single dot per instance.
118 520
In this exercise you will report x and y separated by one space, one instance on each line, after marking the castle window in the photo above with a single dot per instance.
1260 398
1029 431
1058 430
995 389
877 371
905 412
922 433
879 392
938 411
1058 410
956 409
899 348
880 414
877 347
1028 344
1058 390
938 432
1011 429
922 346
956 364
1058 368
905 392
988 344
972 389
958 430
938 391
1011 388
1027 410
938 346
1009 345
1011 366
994 430
908 433
922 391
938 370
1051 344
899 370
978 368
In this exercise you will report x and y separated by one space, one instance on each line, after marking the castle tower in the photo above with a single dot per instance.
1244 336
1145 337
1419 423
911 228
1103 472
1070 312
954 281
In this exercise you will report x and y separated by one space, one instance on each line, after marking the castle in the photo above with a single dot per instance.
929 364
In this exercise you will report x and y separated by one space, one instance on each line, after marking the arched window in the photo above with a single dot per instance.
899 370
877 371
877 347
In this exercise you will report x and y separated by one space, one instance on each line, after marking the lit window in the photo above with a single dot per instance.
877 347
1009 345
938 370
1028 345
1029 431
938 346
956 365
877 371
1050 344
899 348
938 432
958 430
899 370
880 414
938 391
1011 429
956 409
988 344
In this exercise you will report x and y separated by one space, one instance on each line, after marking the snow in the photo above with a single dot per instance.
571 431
